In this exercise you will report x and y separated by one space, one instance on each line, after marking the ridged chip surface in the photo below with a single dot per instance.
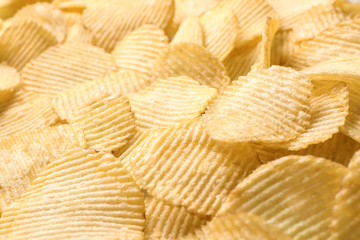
9 81
190 30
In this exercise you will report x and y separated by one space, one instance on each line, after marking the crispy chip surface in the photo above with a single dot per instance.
181 165
170 101
78 33
354 163
194 61
140 48
256 109
190 30
239 225
9 81
164 221
295 193
65 65
82 194
268 35
24 155
110 22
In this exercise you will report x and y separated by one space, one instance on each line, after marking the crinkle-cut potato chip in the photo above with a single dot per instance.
341 40
340 148
165 221
122 81
192 60
329 105
282 48
240 225
111 22
9 82
107 122
350 8
346 212
190 31
170 101
219 40
271 27
9 7
73 18
139 49
252 15
70 5
295 193
24 155
354 163
48 15
82 194
78 33
182 166
272 105
23 40
240 60
65 65
26 111
314 20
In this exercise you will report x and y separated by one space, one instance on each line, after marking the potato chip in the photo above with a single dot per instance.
349 8
9 82
26 111
346 212
341 40
73 18
329 105
194 61
240 60
354 163
82 194
71 5
182 166
268 35
24 40
122 81
139 49
295 193
314 20
78 33
107 122
164 221
63 66
340 148
257 109
219 40
252 15
49 16
190 31
110 22
282 48
240 225
170 101
10 7
24 155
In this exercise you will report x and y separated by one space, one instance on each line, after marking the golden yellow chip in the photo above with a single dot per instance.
240 60
82 194
190 30
329 106
24 155
219 40
282 48
121 82
182 166
295 193
268 35
346 213
192 60
78 33
26 111
71 5
343 39
354 163
252 15
9 81
110 22
316 19
164 221
139 49
23 40
170 101
257 108
10 7
73 18
106 121
240 225
63 66
49 16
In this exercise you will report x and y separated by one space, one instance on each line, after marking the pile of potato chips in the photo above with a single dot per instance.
180 119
